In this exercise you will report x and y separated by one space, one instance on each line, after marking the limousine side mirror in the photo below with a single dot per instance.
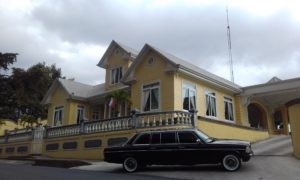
199 141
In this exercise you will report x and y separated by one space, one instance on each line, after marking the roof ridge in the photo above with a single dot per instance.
209 74
132 52
127 48
75 82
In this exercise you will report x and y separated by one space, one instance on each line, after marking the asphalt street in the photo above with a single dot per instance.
22 170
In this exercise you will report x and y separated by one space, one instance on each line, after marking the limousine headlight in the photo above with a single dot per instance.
248 149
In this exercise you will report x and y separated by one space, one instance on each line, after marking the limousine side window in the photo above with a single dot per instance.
143 139
187 137
168 138
155 138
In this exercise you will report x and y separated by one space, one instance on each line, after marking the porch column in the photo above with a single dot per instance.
294 116
285 120
109 112
119 109
104 113
125 110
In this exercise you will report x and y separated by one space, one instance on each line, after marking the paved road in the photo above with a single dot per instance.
276 146
259 168
20 170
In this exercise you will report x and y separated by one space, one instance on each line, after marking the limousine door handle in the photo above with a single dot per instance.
181 147
152 148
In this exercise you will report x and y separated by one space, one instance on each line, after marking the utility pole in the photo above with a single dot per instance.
229 47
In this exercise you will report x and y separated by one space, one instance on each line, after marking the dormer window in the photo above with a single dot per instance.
116 75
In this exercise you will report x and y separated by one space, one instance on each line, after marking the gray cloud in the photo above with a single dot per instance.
262 45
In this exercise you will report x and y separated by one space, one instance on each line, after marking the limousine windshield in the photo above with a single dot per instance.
204 137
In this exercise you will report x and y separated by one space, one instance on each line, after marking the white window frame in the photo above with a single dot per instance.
211 94
113 79
82 109
58 109
191 88
229 100
150 88
96 115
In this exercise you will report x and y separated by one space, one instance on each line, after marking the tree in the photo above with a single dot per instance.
7 59
22 92
119 97
28 120
7 98
30 86
6 92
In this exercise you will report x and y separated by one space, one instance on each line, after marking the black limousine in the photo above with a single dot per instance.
178 147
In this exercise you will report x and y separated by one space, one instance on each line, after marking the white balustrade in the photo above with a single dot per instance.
163 119
140 120
20 137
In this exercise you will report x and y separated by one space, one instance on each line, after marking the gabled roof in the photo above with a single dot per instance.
184 67
274 94
130 51
76 90
273 80
279 85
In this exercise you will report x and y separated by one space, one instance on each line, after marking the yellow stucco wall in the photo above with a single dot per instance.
114 61
171 90
150 73
241 112
72 111
285 118
58 98
4 154
201 88
81 152
227 131
294 115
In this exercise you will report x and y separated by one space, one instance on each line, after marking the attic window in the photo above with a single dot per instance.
151 60
116 75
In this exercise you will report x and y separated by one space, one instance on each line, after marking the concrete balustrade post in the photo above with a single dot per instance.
82 126
134 117
37 139
46 132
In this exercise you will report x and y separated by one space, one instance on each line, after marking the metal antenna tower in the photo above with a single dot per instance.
229 47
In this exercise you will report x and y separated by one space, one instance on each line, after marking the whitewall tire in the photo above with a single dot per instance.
130 164
231 162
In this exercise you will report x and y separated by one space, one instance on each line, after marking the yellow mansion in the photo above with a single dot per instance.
165 92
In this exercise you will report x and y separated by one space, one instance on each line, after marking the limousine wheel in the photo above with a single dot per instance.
130 164
231 162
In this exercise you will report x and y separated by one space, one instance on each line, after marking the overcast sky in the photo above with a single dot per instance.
73 34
